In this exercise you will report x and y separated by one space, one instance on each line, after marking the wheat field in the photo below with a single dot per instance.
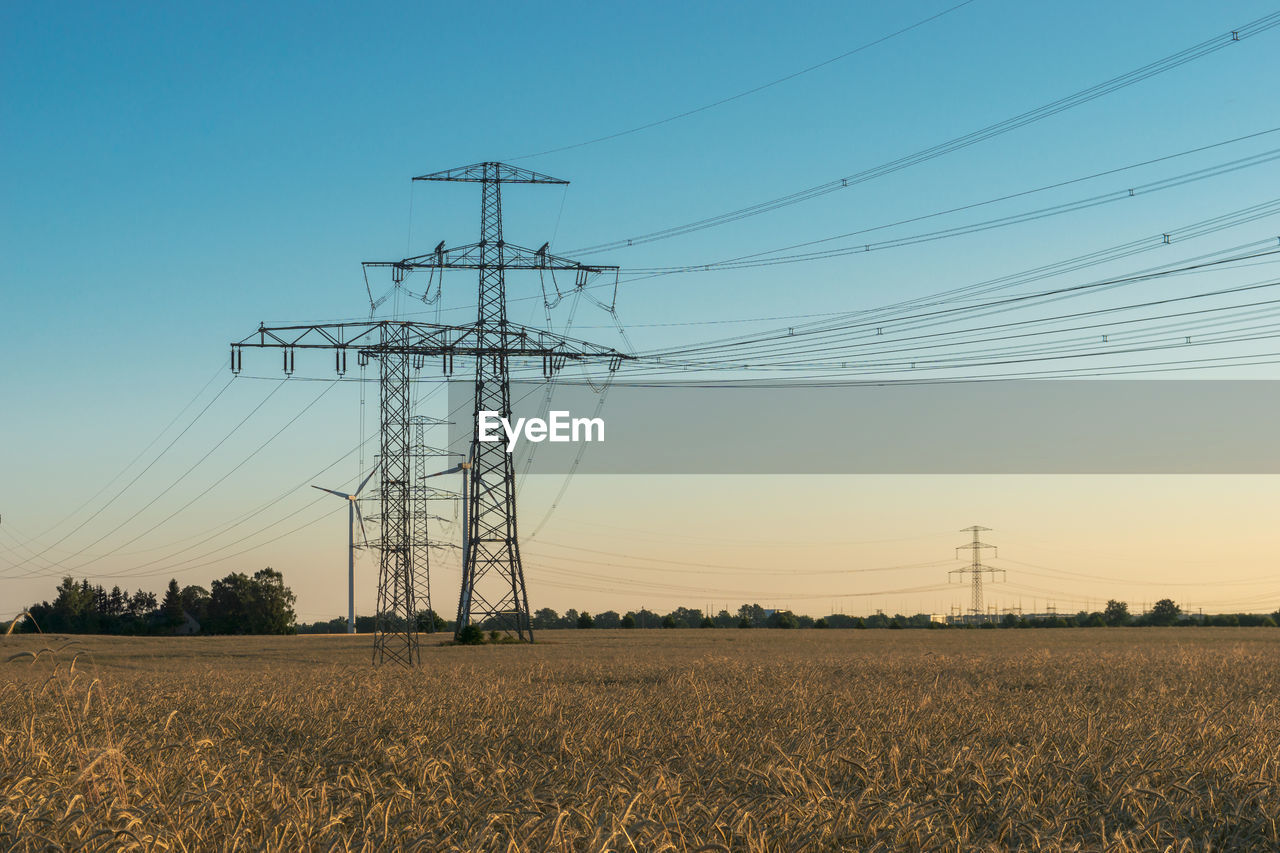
724 740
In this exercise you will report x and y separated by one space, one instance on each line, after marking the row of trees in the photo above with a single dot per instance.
235 604
747 616
427 621
1115 614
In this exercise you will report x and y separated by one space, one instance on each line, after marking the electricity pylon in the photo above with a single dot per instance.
493 585
421 496
976 569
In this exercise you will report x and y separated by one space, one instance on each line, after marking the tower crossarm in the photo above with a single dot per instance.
976 546
492 172
471 257
424 339
362 335
980 568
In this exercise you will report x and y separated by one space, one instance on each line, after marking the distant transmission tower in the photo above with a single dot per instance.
421 498
976 569
493 588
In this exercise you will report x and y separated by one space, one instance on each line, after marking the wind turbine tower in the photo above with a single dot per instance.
353 514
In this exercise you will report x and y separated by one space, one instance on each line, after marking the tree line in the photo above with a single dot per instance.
235 604
1166 612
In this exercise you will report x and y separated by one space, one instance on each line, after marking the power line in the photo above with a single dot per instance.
1129 78
646 273
715 355
719 568
253 513
131 462
793 75
865 360
610 583
170 487
772 257
203 492
128 485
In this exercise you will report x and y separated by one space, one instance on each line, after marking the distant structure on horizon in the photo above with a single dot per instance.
976 569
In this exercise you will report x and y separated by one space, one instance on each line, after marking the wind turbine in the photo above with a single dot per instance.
353 513
462 467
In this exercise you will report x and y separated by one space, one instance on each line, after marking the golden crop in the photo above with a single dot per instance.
1108 739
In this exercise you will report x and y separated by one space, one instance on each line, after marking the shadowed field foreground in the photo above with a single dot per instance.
656 740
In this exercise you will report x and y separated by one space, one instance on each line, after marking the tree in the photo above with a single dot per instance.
686 618
195 600
71 602
1165 612
230 601
172 606
262 604
428 620
781 619
820 622
142 603
275 602
545 618
877 620
608 619
585 620
1116 613
646 618
753 613
628 621
65 611
117 601
668 621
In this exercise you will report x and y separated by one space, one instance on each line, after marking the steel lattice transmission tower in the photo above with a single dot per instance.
976 569
493 585
421 498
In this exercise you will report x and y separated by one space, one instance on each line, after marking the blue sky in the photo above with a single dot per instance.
175 173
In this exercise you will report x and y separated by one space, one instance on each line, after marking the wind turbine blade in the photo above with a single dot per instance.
332 492
364 536
455 469
366 481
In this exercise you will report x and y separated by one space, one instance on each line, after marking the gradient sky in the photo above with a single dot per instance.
176 173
